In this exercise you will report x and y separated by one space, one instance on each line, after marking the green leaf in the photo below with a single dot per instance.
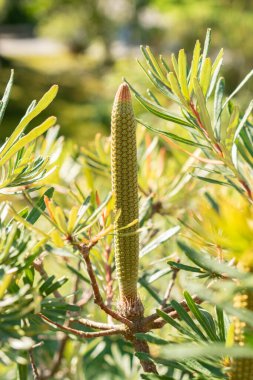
48 282
208 264
173 136
205 49
212 202
231 129
194 64
221 323
56 285
247 140
44 102
78 273
162 87
203 321
152 376
159 240
22 371
6 96
245 80
153 97
174 324
176 89
204 115
156 64
35 133
205 76
183 352
243 120
159 111
174 64
184 316
215 72
151 338
40 206
187 268
182 74
150 290
218 97
211 180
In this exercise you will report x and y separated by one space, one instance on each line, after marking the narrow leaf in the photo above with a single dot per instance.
159 240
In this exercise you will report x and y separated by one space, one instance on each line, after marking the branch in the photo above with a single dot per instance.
57 360
38 266
95 325
108 277
147 365
35 372
170 286
85 250
80 334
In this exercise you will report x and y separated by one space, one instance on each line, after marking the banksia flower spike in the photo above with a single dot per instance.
242 368
125 189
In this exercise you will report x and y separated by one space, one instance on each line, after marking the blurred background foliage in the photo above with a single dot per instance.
87 46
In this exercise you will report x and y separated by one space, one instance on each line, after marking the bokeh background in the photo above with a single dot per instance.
87 46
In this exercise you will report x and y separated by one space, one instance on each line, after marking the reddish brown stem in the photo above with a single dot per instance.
147 365
80 334
95 325
108 277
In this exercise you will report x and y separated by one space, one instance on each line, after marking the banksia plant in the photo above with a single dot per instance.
125 189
